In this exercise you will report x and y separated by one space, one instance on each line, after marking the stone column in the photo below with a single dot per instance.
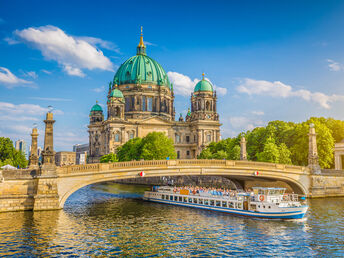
243 153
46 197
48 153
33 159
313 159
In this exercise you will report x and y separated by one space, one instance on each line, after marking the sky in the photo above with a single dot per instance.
267 60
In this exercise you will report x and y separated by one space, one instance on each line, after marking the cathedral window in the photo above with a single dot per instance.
209 137
144 103
187 153
178 154
131 135
117 137
127 104
149 104
187 138
132 102
207 106
177 138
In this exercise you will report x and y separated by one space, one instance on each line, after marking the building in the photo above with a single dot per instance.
140 100
20 145
339 155
81 153
65 158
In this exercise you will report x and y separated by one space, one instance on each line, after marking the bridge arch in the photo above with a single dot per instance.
72 178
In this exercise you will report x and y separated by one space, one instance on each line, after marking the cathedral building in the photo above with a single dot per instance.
140 100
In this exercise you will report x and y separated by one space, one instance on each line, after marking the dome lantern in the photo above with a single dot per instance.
141 48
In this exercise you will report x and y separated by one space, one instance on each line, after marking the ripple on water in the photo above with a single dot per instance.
108 220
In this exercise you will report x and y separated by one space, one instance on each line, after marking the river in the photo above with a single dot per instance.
111 220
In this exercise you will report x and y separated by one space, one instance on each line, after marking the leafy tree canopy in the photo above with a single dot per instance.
111 157
282 142
155 145
9 155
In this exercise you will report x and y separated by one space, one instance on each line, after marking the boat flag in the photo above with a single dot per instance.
256 173
142 173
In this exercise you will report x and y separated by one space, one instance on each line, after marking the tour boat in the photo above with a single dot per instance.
262 202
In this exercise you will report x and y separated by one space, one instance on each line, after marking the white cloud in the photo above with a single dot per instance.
147 43
98 90
183 85
9 79
46 71
258 113
31 74
24 109
72 53
334 66
101 43
51 99
244 123
280 90
11 41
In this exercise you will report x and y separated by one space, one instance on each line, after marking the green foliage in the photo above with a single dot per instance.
109 158
131 150
9 155
155 145
282 142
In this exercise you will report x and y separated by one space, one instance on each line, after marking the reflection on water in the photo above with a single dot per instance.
111 220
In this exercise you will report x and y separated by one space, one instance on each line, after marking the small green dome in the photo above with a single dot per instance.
116 93
203 85
141 69
97 107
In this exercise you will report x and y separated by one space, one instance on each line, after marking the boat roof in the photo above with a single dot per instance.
270 188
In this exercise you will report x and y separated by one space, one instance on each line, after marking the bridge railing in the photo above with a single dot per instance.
98 167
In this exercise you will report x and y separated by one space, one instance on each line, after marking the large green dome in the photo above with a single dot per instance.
203 85
141 69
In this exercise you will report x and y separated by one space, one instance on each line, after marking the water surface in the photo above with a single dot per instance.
110 220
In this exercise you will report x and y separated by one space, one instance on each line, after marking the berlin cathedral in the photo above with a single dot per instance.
140 100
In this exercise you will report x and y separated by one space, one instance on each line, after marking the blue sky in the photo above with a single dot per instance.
269 60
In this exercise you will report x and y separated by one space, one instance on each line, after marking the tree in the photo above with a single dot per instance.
131 150
206 154
157 145
111 157
9 155
270 152
221 154
234 154
284 154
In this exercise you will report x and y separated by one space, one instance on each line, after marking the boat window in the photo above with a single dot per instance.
218 203
269 207
171 197
231 205
264 206
224 204
211 202
258 206
185 199
195 200
180 198
206 202
200 201
176 198
190 200
239 205
163 196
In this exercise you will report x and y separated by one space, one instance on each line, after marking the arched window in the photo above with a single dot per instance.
127 104
117 137
177 138
131 135
144 103
208 137
178 154
150 104
207 106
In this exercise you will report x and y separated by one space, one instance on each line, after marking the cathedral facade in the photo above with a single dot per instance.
140 100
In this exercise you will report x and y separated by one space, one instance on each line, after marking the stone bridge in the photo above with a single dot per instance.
42 189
